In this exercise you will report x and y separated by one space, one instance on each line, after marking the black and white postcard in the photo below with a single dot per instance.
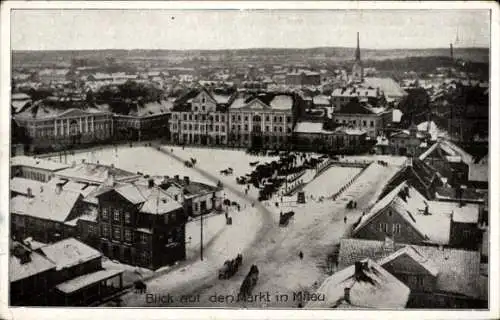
294 159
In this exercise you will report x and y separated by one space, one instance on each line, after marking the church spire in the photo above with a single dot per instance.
358 51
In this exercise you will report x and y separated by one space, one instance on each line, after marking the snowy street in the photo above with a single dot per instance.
315 229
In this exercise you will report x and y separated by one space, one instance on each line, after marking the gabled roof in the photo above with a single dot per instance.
69 252
376 288
37 264
457 270
416 256
152 200
48 205
433 227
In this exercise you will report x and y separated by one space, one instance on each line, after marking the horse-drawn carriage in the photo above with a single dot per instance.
250 282
285 218
230 267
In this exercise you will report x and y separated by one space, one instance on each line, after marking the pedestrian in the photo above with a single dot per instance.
301 255
345 219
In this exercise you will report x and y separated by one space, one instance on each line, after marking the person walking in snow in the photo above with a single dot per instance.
345 219
301 255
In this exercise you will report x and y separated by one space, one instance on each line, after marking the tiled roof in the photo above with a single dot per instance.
457 270
69 252
19 271
376 289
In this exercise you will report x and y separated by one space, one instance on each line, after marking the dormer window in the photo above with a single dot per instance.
203 99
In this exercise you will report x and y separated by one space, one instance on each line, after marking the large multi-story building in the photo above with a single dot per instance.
200 117
361 115
51 127
141 225
262 120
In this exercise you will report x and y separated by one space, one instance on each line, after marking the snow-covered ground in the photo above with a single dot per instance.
330 181
316 227
137 159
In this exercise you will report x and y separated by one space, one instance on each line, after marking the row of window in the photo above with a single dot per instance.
201 127
362 123
385 227
234 118
202 117
116 215
115 233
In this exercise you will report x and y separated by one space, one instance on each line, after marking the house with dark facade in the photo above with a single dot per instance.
317 136
141 225
31 276
406 216
45 216
65 273
438 277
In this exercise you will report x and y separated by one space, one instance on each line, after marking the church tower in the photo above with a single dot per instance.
357 68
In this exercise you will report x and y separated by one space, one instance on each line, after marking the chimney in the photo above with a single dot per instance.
151 183
347 295
186 180
29 192
59 187
358 269
112 166
176 177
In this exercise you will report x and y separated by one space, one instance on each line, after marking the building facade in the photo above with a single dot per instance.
47 127
141 225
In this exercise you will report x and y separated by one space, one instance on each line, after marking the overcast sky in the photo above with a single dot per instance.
234 29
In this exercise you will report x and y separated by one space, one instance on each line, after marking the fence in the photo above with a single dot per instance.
348 184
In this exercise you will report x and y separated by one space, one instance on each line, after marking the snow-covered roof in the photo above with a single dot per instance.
377 288
390 87
309 127
19 96
19 271
49 204
42 164
457 270
96 173
86 280
433 130
415 256
21 185
69 252
321 100
152 200
396 115
433 227
281 102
